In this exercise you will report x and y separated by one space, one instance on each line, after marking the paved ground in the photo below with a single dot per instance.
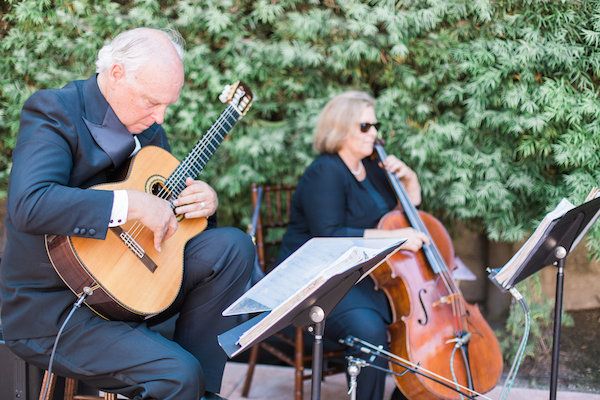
275 383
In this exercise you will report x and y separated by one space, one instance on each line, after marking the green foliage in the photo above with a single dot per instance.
494 104
541 313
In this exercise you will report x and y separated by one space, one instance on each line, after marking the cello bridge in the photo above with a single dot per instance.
445 300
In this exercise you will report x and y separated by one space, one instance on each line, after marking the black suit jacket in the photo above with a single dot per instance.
69 140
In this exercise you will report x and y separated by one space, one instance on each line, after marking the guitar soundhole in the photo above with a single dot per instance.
157 187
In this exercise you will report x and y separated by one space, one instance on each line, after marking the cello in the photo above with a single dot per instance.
432 326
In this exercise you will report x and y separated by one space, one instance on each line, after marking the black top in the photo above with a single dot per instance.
330 202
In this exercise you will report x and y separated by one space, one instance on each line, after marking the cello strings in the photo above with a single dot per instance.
434 257
431 252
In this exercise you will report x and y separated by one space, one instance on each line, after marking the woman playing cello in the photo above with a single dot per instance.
345 193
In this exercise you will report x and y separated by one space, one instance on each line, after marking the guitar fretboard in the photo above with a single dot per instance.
193 164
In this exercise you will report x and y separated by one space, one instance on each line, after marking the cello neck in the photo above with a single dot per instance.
401 195
412 214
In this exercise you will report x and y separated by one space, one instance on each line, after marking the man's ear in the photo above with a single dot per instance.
116 73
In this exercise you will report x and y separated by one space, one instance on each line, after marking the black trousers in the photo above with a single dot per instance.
132 359
365 314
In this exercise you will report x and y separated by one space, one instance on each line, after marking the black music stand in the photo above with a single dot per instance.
553 249
311 312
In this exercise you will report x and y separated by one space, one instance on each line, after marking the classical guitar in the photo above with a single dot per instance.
129 278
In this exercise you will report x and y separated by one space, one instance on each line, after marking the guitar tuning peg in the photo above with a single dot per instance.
224 96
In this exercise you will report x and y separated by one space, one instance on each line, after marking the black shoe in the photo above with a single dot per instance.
211 396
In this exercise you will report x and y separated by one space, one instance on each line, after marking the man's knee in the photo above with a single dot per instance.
240 243
183 377
239 249
190 372
224 251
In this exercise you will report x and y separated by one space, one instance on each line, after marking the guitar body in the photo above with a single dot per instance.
127 286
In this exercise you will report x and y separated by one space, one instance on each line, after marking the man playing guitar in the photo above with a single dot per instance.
83 135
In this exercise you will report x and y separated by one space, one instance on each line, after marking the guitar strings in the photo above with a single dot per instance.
222 125
182 170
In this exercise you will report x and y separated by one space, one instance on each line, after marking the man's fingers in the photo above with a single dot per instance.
197 214
202 209
158 238
172 228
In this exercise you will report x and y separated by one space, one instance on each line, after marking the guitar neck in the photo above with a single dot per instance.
193 164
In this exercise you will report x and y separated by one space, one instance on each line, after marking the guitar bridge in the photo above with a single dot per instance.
134 246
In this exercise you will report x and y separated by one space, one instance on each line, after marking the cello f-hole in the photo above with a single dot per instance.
420 320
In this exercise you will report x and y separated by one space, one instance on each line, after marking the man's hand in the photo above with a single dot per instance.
197 200
155 213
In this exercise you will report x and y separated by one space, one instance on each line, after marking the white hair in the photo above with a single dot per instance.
136 47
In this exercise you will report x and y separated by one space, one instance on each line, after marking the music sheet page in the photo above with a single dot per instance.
315 258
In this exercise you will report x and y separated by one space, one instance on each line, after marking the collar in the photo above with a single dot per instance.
104 125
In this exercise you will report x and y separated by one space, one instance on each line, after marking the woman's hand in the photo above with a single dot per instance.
414 241
406 175
414 238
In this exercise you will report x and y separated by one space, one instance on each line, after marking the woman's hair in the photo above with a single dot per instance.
338 118
136 47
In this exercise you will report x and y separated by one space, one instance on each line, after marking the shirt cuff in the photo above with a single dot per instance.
118 215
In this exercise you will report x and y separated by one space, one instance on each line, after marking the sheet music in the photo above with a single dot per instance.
509 272
316 257
594 194
348 261
512 266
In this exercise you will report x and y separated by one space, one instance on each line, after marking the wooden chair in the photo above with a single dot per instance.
70 390
272 205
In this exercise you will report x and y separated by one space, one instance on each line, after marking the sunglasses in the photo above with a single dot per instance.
365 126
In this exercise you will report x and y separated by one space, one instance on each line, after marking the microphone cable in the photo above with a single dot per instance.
512 373
87 291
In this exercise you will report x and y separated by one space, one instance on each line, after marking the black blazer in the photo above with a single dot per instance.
329 201
69 139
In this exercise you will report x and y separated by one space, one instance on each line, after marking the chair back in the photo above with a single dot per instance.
272 205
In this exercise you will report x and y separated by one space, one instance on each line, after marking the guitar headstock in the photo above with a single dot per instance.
238 96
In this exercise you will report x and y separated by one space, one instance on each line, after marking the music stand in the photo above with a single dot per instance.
311 312
566 232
